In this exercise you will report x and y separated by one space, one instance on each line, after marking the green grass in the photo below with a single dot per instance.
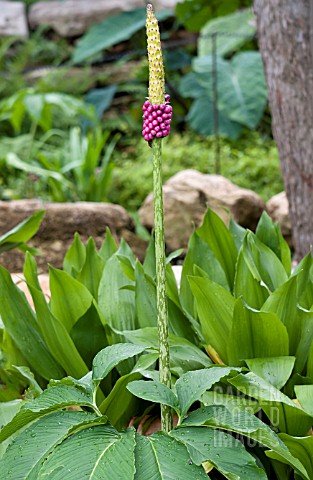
251 162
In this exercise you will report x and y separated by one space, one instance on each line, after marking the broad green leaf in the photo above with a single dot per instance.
242 87
227 454
53 399
145 362
154 391
310 362
275 370
7 411
149 262
263 263
97 452
34 388
305 340
184 355
300 448
22 326
232 402
111 356
53 331
112 30
37 441
75 256
270 234
91 272
255 334
283 302
23 231
127 266
161 457
199 253
120 405
214 232
101 98
190 386
304 394
244 423
69 298
237 232
282 412
247 286
108 247
145 298
240 23
215 309
117 304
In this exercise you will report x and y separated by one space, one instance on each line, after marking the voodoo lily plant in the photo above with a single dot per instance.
228 356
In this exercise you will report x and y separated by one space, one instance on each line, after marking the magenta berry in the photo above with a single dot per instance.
156 119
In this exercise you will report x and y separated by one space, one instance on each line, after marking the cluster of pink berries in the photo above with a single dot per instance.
156 120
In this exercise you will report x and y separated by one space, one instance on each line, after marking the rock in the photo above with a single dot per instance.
57 230
278 209
189 193
70 18
13 19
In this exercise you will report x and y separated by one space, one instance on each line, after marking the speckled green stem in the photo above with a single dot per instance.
164 355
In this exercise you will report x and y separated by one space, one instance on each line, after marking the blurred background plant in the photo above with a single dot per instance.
49 85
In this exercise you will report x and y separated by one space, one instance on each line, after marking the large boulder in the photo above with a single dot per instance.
13 21
61 221
189 193
71 18
278 209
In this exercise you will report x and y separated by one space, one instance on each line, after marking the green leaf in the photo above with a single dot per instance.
7 411
91 272
304 394
53 331
237 232
270 234
69 298
199 254
300 448
22 232
245 424
53 399
256 334
215 307
275 370
184 355
224 452
214 232
113 30
160 456
38 440
283 302
233 403
154 391
111 356
75 256
282 412
108 247
145 298
240 23
247 286
21 324
241 82
190 386
96 452
120 405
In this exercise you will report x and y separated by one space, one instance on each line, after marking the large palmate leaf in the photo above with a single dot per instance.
255 334
231 32
112 30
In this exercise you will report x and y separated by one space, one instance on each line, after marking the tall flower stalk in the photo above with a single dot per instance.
156 125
